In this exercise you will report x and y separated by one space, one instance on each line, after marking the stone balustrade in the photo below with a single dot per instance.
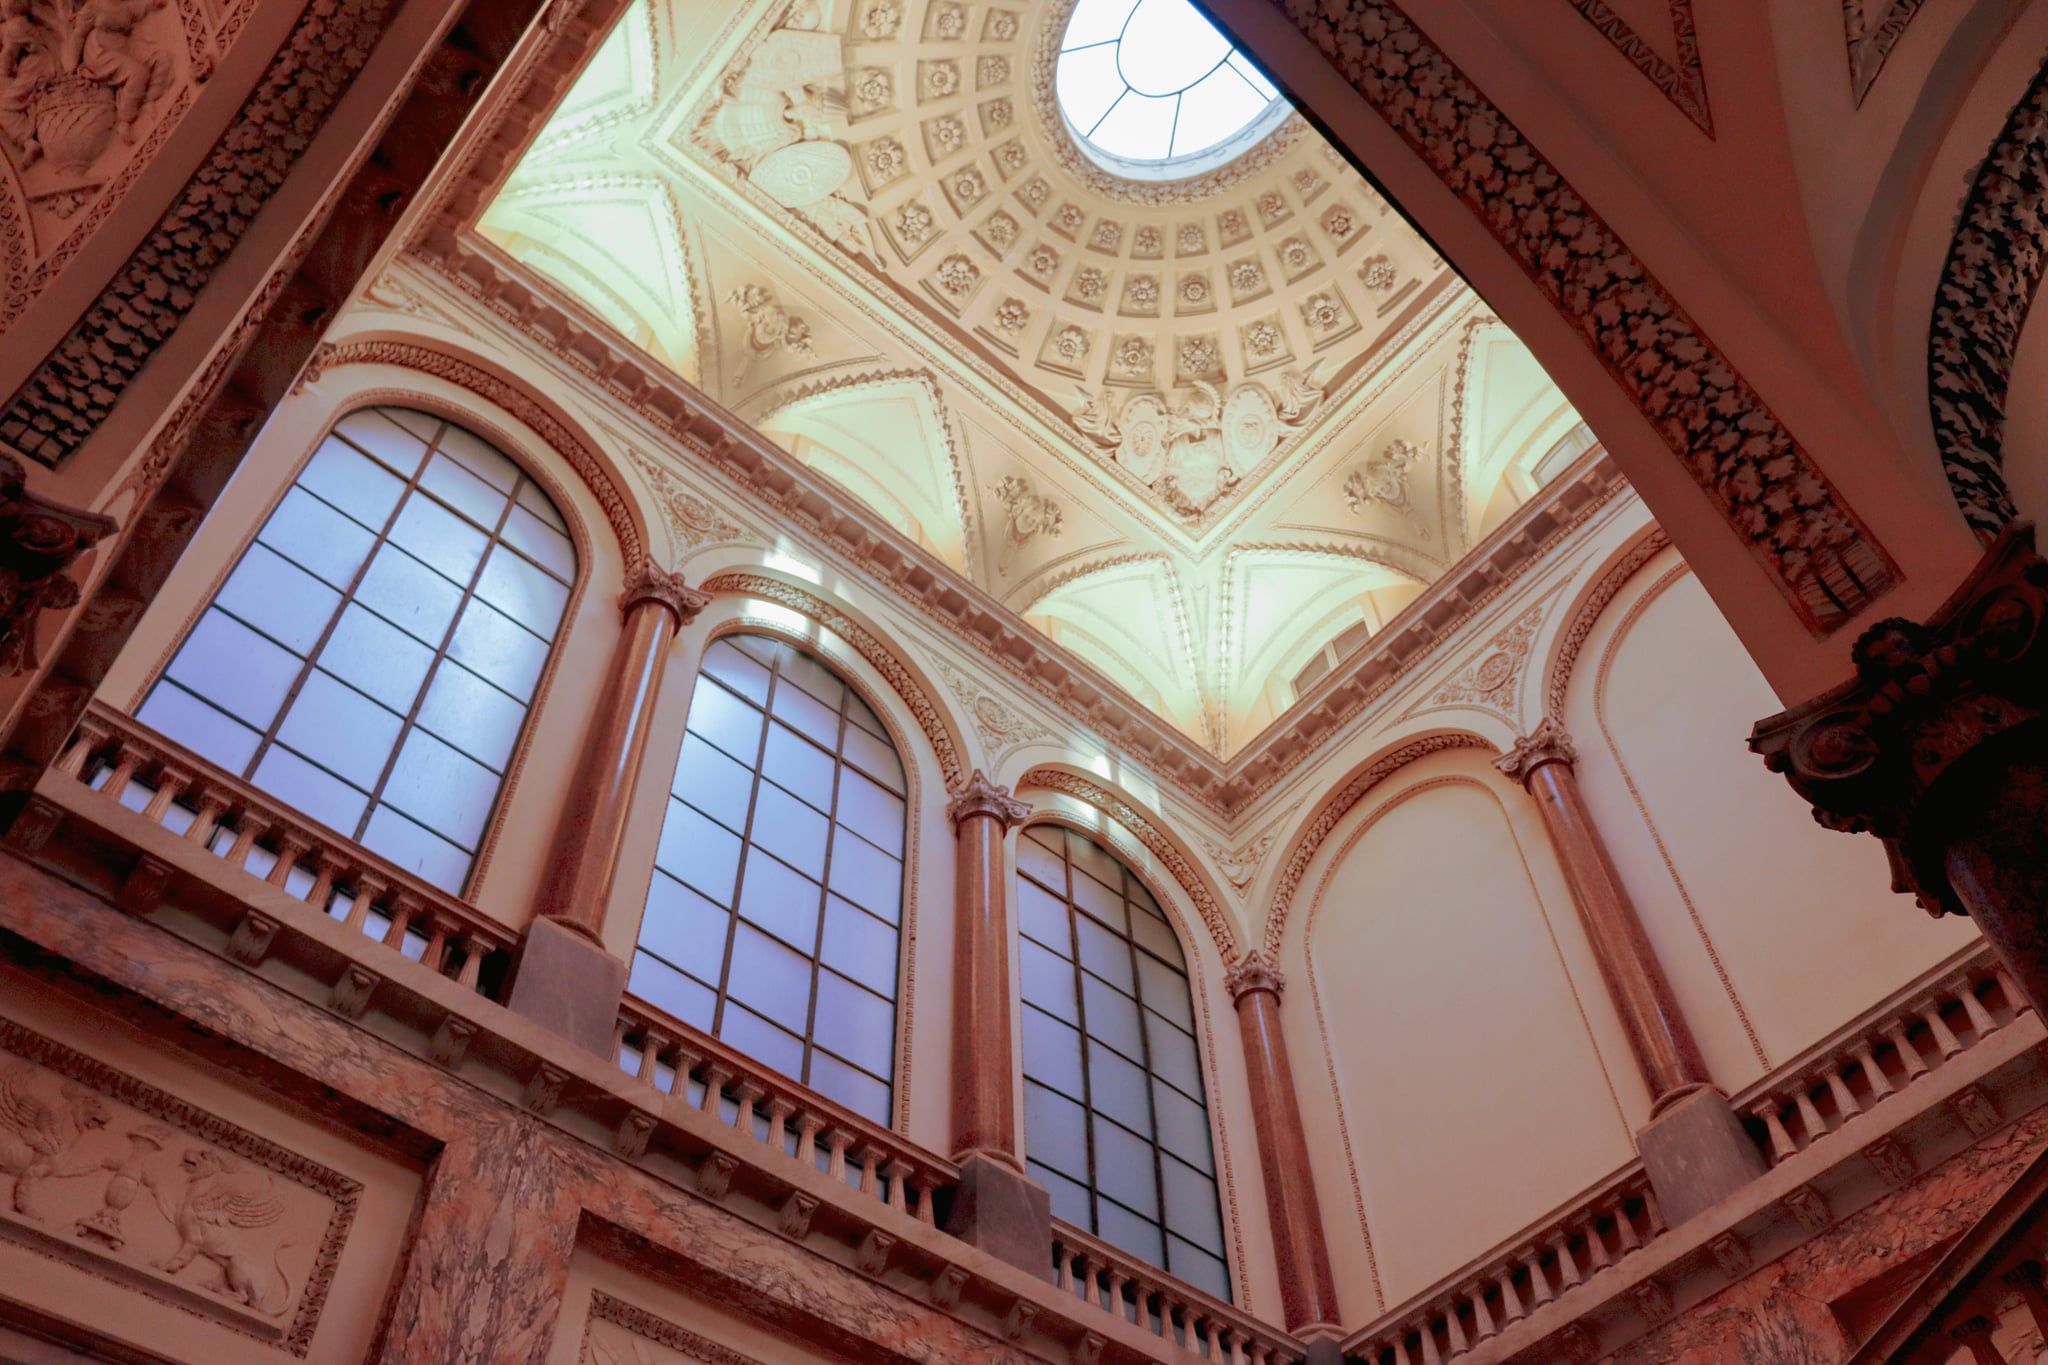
1091 1270
1613 1220
127 762
1939 1017
677 1060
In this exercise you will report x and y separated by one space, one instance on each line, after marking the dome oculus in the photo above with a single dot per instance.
1151 89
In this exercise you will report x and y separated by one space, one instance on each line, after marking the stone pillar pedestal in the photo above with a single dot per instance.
998 1208
1939 747
565 978
1308 1290
1694 1149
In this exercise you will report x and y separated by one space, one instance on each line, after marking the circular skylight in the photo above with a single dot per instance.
1151 90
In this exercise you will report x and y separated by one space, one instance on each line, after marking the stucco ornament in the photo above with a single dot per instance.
1028 514
1384 480
770 326
777 121
1190 453
74 74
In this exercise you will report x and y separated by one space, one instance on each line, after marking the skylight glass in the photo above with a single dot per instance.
1152 90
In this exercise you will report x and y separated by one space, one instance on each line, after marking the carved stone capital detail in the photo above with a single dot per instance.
1869 752
979 796
1250 974
39 540
652 583
1547 743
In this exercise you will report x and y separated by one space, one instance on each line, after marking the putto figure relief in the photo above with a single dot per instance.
74 74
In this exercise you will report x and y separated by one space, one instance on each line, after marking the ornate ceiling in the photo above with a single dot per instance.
1194 431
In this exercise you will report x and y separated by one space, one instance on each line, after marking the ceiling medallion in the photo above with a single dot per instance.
1190 454
1077 163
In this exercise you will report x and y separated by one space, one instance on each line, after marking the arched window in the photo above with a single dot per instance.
772 920
371 659
1116 1118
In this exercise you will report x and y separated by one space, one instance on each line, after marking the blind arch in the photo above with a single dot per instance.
372 657
774 912
1116 1119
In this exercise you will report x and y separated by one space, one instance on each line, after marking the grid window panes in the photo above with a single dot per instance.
371 659
1116 1118
772 919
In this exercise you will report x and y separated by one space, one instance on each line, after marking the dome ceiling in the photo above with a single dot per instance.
1195 428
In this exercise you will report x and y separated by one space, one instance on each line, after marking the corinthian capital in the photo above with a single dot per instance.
652 583
1547 743
39 539
1252 973
979 796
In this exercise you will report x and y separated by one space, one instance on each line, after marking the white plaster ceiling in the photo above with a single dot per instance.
1193 431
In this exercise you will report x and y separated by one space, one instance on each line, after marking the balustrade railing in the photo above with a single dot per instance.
676 1059
1880 1053
1616 1218
132 765
1105 1278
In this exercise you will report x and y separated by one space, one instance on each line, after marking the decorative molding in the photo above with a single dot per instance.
83 1144
1816 551
693 523
58 408
1028 514
1647 547
1684 81
979 796
1873 28
602 1347
1383 480
1547 743
1334 808
864 643
514 400
1152 837
1491 682
652 583
1987 289
1002 728
39 541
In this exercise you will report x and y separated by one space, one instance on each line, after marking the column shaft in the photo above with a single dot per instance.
1308 1292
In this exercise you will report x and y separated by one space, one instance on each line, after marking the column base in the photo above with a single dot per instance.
1003 1212
1323 1351
568 984
1696 1153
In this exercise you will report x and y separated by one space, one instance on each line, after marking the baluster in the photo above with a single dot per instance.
1455 1326
2026 1278
1210 1345
2015 1003
437 943
211 807
716 1074
1909 1056
835 1144
651 1044
619 1032
368 889
1482 1316
807 1126
1980 1018
1567 1268
126 761
1088 1273
1402 1356
1062 1267
779 1110
247 829
1541 1291
473 950
1430 1354
1809 1115
291 846
1845 1099
169 783
1510 1301
325 870
897 1173
1653 1213
1625 1227
1597 1257
751 1093
1944 1038
403 908
1976 1334
1233 1346
1866 1058
88 737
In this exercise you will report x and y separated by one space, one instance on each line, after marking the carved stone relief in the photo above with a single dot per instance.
770 326
1003 729
130 1184
1384 480
617 1333
1190 453
1491 680
692 522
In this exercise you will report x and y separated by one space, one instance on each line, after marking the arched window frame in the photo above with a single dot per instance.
842 661
1221 1279
533 459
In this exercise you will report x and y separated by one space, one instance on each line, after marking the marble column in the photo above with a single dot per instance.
1308 1290
1694 1148
565 977
1939 746
997 1208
